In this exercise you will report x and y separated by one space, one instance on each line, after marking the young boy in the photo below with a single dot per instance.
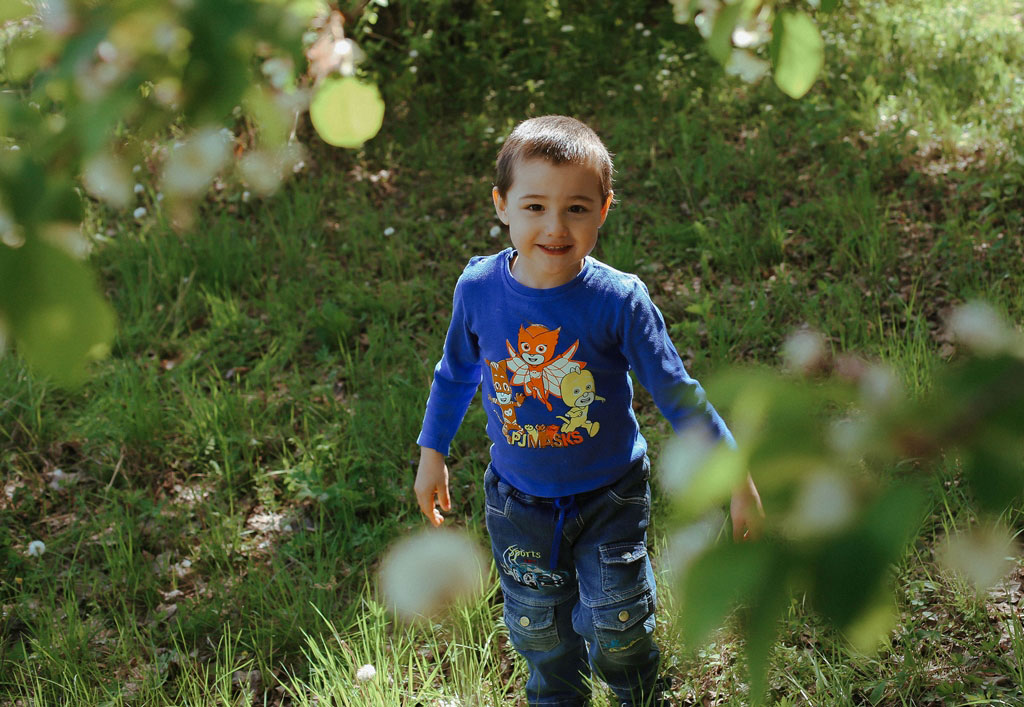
552 333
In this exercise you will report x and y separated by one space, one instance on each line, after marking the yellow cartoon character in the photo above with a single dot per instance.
577 390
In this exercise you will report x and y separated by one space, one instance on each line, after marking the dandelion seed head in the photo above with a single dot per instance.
36 548
365 673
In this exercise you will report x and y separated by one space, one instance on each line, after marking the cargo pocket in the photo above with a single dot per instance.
623 569
531 628
625 628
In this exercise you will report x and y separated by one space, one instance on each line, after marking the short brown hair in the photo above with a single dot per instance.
558 139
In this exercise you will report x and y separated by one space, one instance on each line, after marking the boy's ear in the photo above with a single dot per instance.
604 207
500 205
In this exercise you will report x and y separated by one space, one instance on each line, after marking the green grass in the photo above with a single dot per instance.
246 454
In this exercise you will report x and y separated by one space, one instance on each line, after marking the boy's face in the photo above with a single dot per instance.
553 213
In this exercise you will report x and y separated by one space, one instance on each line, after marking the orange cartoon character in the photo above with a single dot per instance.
505 400
534 365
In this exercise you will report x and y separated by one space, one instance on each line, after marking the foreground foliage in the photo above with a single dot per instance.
238 465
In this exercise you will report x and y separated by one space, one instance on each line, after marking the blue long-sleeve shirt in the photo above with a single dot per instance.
554 366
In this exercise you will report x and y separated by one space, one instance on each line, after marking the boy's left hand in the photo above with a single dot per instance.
747 513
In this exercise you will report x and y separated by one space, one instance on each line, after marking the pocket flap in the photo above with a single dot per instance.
619 617
623 553
527 618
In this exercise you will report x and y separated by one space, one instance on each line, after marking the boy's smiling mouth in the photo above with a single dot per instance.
555 249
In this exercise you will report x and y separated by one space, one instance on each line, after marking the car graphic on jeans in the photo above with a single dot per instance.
528 573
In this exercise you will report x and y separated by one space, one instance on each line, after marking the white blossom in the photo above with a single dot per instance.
139 212
389 231
568 28
804 351
745 65
106 177
366 673
979 326
425 572
192 164
36 548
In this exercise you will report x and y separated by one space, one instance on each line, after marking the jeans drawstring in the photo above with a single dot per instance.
564 505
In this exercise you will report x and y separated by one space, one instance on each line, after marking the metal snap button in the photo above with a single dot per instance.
627 556
524 621
623 616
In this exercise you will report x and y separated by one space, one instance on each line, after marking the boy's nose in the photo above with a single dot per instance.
558 227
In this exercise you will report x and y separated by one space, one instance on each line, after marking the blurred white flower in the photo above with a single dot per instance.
413 53
804 351
138 188
263 170
389 231
683 457
413 69
646 33
59 479
495 231
879 386
745 65
982 555
423 573
139 212
278 71
36 548
192 164
848 436
56 16
687 544
705 22
246 196
68 236
825 503
638 87
638 26
750 35
106 178
568 28
365 673
979 326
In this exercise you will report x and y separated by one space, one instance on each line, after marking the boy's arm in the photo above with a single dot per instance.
681 399
456 378
653 357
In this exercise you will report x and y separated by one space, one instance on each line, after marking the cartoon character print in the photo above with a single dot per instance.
534 365
578 392
505 400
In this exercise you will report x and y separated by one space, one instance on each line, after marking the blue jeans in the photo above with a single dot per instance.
592 609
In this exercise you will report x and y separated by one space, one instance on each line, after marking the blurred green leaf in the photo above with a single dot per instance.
716 581
761 624
14 10
57 316
346 112
798 52
720 41
849 569
829 5
994 468
27 54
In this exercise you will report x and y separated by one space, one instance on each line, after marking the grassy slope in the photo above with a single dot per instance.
245 455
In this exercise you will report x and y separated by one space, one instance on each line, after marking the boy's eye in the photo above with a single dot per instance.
578 209
534 207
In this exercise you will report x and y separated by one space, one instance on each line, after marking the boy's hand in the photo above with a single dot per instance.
431 483
747 513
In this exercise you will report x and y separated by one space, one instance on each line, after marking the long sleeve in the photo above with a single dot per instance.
652 356
456 378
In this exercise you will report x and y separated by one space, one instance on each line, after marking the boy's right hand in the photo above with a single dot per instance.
432 483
